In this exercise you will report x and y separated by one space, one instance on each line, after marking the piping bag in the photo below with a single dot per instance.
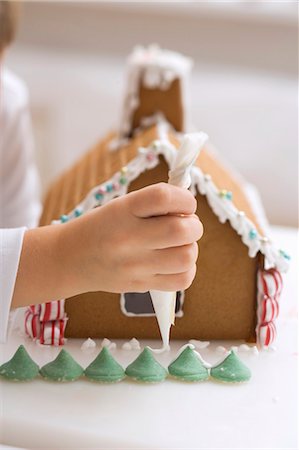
179 175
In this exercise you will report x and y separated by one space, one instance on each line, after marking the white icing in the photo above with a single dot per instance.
105 342
255 350
179 175
221 349
199 344
88 346
244 348
235 348
126 346
153 68
164 306
133 344
108 344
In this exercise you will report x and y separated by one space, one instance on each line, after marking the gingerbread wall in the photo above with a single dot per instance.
220 304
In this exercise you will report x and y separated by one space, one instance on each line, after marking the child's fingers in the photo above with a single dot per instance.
174 282
170 231
171 260
161 199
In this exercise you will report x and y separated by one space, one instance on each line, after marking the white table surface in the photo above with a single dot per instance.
171 415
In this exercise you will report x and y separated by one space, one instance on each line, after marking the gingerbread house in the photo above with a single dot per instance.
235 294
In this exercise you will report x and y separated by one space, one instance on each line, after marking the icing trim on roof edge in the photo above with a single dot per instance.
222 205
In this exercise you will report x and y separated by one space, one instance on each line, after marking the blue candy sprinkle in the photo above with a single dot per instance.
284 254
78 212
64 218
252 234
109 187
98 196
229 195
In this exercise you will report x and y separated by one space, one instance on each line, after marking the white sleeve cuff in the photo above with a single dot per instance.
11 241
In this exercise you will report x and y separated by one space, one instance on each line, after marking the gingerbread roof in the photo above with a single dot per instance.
104 173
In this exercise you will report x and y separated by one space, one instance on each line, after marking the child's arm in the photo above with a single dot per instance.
144 240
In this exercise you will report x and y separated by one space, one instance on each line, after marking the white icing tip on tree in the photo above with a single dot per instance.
108 344
105 342
88 346
199 344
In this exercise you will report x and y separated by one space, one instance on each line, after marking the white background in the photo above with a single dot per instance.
244 84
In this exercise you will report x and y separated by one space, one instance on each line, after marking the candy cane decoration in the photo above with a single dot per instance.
269 290
52 310
179 175
32 324
46 322
52 332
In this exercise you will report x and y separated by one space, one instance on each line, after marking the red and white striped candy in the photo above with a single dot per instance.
32 324
52 310
268 309
52 332
270 282
269 289
35 309
266 334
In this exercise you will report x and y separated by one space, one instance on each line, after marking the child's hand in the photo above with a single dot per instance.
144 240
137 242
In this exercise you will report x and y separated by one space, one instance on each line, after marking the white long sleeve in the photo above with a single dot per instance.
19 185
11 241
19 182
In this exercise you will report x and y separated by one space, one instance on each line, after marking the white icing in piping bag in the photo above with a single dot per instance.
179 175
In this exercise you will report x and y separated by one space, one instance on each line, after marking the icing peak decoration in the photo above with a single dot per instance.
105 368
20 367
179 175
146 368
231 370
188 366
63 368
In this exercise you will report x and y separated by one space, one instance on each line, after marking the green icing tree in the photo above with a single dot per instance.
20 367
146 368
105 368
231 370
188 367
63 368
